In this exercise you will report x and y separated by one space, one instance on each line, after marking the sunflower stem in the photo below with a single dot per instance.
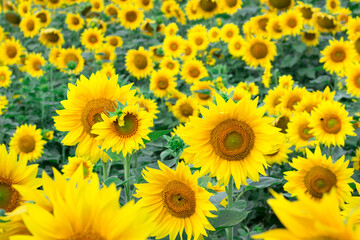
127 162
229 193
106 169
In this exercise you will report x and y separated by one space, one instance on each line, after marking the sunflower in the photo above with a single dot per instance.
33 64
185 108
148 105
112 11
307 12
231 6
200 40
316 175
333 5
191 10
308 103
170 65
239 93
167 7
280 5
356 160
3 104
171 29
259 25
71 56
353 28
51 37
30 26
146 5
24 8
193 70
208 8
204 92
299 131
353 79
173 46
337 56
83 210
286 81
97 5
258 51
124 133
235 46
325 23
162 83
54 56
280 154
309 219
290 99
45 18
174 202
272 100
74 22
139 63
115 41
92 38
86 100
131 17
343 16
274 28
330 123
14 172
291 22
73 165
190 50
231 140
53 4
310 37
105 53
229 31
214 34
5 74
27 142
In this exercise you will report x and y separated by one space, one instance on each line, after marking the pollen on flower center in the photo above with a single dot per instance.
27 144
131 16
259 50
162 83
140 61
338 55
194 72
129 128
331 124
11 51
319 180
179 199
9 197
186 110
30 25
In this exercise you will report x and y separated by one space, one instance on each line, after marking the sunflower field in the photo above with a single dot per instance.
179 119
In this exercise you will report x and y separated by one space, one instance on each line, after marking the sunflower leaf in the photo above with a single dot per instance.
155 135
228 218
264 182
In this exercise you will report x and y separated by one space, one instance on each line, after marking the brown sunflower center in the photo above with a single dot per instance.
93 38
36 65
356 80
230 34
333 4
140 61
282 123
130 127
131 16
331 124
86 236
231 3
170 65
306 12
96 5
52 37
280 4
54 1
304 132
145 2
114 42
292 22
338 55
199 41
2 78
237 46
357 45
325 22
42 17
263 23
259 50
11 51
186 110
75 21
27 144
309 36
232 140
204 96
309 107
9 197
30 25
179 199
174 46
92 111
194 72
319 180
70 57
293 100
162 83
188 51
208 5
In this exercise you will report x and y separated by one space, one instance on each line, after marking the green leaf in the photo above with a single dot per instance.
264 182
228 218
239 205
155 135
111 180
203 181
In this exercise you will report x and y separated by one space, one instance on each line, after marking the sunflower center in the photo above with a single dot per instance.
338 55
52 37
208 5
75 21
280 4
145 2
263 23
292 102
333 4
232 139
97 5
9 197
204 96
331 124
30 25
2 78
309 36
325 22
194 72
306 12
186 110
304 132
231 3
36 65
93 38
27 144
199 41
11 51
319 180
357 45
237 46
179 199
174 46
356 80
292 22
130 127
54 1
92 111
140 61
42 17
170 65
259 50
113 42
86 236
188 51
282 123
162 83
230 34
70 57
131 16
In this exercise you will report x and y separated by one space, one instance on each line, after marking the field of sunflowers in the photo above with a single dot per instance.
179 119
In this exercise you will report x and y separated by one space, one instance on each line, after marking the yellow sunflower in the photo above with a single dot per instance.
356 160
307 12
97 5
280 154
229 31
3 104
310 37
24 8
353 80
74 22
54 56
337 56
291 22
280 5
53 4
326 23
45 18
71 56
258 51
112 11
208 8
290 99
51 37
299 131
308 103
185 108
239 93
190 50
274 28
235 46
193 70
170 65
139 63
92 38
73 165
148 105
200 40
174 203
333 5
204 92
214 34
173 46
230 139
131 17
115 41
5 74
343 16
124 133
171 29
353 28
316 175
231 6
330 123
30 26
27 142
259 25
272 100
162 83
286 81
145 4
33 64
86 101
105 53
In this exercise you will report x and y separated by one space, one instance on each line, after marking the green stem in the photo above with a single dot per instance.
127 162
106 169
229 193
